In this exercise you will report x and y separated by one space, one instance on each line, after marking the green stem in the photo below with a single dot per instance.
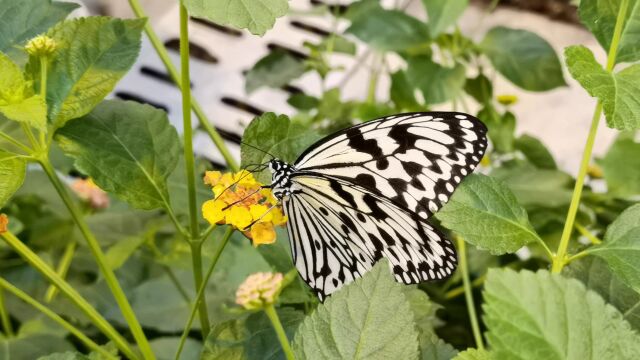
62 269
460 290
4 317
214 260
98 254
468 295
560 259
161 50
16 142
55 317
196 260
30 136
43 91
186 122
37 263
277 326
586 233
577 256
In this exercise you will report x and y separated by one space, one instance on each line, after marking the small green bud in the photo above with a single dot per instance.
41 45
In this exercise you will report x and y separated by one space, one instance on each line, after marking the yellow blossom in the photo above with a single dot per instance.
4 223
507 99
240 201
41 45
88 191
595 171
258 290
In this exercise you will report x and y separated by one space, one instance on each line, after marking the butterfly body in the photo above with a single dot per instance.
365 193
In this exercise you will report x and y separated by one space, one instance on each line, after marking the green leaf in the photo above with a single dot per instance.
69 355
535 151
93 54
303 102
12 173
128 148
225 341
32 347
24 19
177 185
597 276
480 88
486 214
402 91
619 92
434 348
524 58
443 14
599 16
276 135
368 319
437 83
17 101
257 16
501 128
473 354
119 253
547 316
621 166
388 30
537 187
621 247
274 70
165 348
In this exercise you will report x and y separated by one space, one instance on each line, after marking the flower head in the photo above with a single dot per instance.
4 223
41 45
258 290
507 100
240 201
88 191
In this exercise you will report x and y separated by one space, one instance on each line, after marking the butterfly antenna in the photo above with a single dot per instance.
257 148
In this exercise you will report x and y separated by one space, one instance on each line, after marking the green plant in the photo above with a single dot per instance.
125 280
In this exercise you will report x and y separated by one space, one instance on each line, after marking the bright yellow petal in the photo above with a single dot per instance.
278 217
263 233
238 216
212 211
212 177
258 211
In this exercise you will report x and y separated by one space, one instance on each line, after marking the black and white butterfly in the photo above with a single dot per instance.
365 192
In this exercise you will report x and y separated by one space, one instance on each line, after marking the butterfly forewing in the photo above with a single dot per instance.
416 160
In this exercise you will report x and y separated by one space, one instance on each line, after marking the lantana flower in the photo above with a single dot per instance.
4 223
88 191
259 290
240 201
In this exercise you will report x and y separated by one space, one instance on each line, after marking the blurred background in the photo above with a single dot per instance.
221 56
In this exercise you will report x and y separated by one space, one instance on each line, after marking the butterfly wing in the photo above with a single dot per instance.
416 160
338 230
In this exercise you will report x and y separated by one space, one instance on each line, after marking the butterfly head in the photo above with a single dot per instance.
280 173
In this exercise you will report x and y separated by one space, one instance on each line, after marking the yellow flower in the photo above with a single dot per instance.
4 223
262 233
239 200
507 100
212 211
258 290
595 171
41 45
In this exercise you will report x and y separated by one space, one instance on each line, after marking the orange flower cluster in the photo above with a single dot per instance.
240 201
4 223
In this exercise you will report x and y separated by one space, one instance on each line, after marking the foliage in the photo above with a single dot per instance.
127 275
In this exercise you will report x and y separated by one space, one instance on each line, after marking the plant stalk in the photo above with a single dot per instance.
55 317
98 254
43 92
561 255
37 263
161 50
282 335
63 268
468 295
4 317
201 290
196 260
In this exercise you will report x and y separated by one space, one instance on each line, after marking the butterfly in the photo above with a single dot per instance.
364 193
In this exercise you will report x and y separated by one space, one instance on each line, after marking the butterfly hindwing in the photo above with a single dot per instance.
338 231
416 160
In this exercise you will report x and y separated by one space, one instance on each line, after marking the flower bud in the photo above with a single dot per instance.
258 290
4 223
41 45
507 100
